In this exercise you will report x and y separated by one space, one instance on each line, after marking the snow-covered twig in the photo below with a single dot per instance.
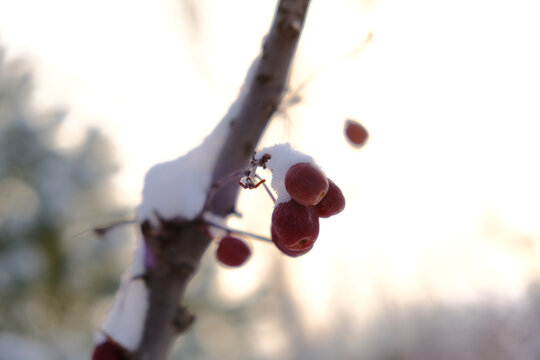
176 193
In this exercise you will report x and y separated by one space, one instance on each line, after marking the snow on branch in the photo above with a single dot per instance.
147 315
179 188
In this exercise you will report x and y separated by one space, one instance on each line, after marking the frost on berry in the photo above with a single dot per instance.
306 184
292 253
356 133
232 251
296 226
333 203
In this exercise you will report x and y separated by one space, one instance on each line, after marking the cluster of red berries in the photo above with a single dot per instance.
295 223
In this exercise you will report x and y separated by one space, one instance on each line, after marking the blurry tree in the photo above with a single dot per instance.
49 278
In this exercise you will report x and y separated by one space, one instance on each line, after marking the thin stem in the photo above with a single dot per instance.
101 231
266 188
241 232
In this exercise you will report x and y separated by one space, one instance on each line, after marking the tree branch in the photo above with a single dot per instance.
178 245
263 98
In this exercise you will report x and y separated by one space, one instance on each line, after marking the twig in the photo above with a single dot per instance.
267 189
179 245
103 230
241 232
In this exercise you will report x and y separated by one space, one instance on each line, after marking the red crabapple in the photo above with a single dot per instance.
296 226
306 184
232 251
356 133
333 203
292 253
108 351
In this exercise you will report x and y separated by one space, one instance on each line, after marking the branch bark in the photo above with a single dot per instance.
262 100
178 245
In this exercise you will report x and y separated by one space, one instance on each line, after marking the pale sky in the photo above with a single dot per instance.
440 200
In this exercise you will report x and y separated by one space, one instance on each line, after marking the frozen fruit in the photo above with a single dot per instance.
108 351
333 203
306 184
356 133
292 253
232 251
296 226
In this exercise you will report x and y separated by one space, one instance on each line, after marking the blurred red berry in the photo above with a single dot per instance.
356 133
108 351
306 184
296 226
232 251
333 203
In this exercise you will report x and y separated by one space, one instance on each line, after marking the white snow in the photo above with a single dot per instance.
178 188
283 157
125 320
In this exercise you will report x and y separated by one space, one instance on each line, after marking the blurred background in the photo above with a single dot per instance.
436 255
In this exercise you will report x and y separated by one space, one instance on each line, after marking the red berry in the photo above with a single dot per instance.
292 253
232 251
356 133
306 184
108 351
296 226
333 203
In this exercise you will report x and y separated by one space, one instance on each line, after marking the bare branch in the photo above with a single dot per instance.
262 100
